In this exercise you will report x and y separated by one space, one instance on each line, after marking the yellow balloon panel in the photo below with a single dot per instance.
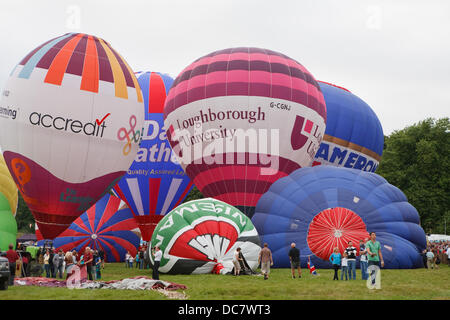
8 186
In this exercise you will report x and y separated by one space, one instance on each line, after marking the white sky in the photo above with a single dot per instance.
395 55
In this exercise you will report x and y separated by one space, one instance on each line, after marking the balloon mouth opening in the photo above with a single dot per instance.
334 228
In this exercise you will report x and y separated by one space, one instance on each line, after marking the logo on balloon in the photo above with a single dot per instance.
302 132
130 135
22 172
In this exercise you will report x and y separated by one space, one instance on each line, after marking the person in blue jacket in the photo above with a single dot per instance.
335 259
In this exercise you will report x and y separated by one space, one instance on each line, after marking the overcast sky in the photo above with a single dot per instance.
395 55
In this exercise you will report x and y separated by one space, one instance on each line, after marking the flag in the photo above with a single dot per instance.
311 267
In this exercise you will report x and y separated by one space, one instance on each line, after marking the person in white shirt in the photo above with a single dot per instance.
363 263
127 259
448 255
344 265
236 258
157 254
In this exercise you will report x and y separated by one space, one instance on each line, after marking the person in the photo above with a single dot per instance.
351 260
436 260
344 265
47 263
141 258
74 256
157 255
294 258
68 258
430 259
24 265
237 265
373 248
130 261
94 259
335 259
146 259
50 262
88 258
448 255
266 261
137 259
101 254
363 259
58 260
127 259
12 257
98 267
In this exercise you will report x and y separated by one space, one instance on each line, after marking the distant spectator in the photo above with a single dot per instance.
294 257
50 262
101 254
344 265
335 259
141 258
351 260
363 259
12 257
47 263
127 259
98 267
69 259
430 259
266 261
131 260
136 259
156 262
236 262
58 261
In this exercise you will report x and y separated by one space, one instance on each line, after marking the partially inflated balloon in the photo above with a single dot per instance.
324 207
155 183
354 136
104 226
8 225
241 118
8 186
74 113
200 235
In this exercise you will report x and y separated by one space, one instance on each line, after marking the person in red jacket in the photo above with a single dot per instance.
12 257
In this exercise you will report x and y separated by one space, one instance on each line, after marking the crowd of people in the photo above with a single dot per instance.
59 263
435 254
369 252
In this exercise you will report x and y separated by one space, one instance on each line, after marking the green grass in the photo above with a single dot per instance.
395 285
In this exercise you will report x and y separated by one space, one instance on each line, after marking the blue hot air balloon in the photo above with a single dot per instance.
323 207
353 136
155 183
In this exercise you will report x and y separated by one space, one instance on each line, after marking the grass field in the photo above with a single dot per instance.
395 285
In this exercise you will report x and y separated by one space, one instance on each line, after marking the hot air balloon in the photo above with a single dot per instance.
241 118
323 207
8 225
353 136
106 225
199 235
7 186
155 183
72 114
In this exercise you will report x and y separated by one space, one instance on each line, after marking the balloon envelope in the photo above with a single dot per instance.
8 187
240 118
324 207
104 226
72 116
198 235
353 136
155 183
8 225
